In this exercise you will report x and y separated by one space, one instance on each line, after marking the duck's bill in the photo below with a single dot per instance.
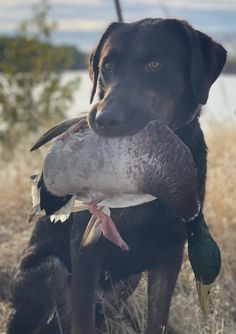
55 132
206 296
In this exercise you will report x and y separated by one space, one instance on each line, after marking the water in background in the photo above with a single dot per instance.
221 104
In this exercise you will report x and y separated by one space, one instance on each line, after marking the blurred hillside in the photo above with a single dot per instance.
70 58
230 66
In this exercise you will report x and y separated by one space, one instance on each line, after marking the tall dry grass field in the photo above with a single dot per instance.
220 213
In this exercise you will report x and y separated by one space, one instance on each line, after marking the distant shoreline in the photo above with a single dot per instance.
72 59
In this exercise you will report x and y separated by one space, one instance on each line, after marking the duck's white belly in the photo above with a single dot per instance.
126 200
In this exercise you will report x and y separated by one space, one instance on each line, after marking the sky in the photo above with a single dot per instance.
81 22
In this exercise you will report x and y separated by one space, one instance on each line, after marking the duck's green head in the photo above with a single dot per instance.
205 258
204 253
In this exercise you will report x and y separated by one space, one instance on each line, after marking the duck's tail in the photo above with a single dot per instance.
58 208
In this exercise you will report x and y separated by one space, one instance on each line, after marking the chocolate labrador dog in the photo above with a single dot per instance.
151 69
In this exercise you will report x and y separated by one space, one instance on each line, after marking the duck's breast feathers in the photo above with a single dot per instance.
172 174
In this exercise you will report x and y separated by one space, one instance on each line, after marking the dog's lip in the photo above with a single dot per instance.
121 131
108 132
101 130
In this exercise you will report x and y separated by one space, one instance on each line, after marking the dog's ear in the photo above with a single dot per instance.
207 61
95 56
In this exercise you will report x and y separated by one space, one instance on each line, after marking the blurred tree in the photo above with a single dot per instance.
31 89
68 57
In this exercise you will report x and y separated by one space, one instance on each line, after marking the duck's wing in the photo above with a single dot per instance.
48 202
58 130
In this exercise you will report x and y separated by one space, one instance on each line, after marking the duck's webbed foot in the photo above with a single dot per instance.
109 229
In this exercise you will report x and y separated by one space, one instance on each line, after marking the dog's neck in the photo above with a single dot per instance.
195 115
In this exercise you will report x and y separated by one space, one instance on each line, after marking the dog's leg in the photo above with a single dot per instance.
117 292
39 292
161 284
86 269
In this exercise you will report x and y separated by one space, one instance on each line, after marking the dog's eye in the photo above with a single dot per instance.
108 66
154 65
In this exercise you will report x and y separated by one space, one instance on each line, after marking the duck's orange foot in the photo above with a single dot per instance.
109 229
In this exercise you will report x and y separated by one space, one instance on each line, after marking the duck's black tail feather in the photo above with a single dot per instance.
49 202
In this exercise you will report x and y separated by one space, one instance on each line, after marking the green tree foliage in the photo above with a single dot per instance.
31 89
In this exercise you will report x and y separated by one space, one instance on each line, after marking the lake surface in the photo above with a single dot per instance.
221 104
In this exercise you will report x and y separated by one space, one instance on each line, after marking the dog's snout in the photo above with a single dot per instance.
108 119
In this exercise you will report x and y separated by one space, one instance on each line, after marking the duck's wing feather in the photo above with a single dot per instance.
91 235
56 131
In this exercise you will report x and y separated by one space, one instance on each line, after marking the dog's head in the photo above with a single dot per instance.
151 69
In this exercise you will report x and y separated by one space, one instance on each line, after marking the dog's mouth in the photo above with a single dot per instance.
107 131
99 129
127 128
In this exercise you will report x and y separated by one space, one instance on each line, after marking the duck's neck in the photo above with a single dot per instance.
192 135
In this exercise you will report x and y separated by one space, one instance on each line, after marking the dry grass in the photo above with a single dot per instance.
220 212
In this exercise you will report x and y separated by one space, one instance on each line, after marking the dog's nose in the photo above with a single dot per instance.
108 119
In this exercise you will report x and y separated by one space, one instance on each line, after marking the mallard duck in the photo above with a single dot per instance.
204 256
106 173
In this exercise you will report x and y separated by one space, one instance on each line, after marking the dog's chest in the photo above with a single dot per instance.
150 232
